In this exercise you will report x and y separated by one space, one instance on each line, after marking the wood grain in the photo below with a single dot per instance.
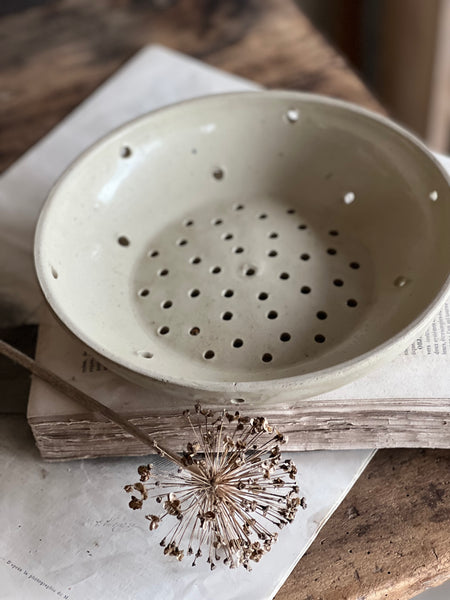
388 539
53 56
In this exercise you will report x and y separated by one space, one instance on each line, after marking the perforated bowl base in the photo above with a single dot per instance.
252 287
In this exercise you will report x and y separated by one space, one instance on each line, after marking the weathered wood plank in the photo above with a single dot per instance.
52 57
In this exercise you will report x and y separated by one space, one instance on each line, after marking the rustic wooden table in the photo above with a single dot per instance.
390 537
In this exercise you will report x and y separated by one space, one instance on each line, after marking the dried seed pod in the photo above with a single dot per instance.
134 503
154 521
145 472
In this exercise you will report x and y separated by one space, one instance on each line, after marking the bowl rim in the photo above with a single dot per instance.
342 372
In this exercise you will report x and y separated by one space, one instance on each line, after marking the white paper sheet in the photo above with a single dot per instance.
67 531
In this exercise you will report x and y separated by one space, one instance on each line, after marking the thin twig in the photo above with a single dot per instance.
63 386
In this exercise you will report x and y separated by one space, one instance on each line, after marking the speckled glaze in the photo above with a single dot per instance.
254 247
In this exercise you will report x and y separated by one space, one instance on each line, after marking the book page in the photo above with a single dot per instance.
436 340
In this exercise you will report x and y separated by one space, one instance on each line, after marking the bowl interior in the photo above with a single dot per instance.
246 237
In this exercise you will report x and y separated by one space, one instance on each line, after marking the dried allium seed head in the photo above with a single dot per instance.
233 490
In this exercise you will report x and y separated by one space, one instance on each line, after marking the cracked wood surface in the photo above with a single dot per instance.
390 536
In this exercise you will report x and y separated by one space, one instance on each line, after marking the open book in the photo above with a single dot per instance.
405 403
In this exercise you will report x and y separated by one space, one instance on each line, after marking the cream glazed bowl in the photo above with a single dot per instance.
251 247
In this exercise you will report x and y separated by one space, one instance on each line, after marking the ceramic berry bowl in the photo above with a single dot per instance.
253 247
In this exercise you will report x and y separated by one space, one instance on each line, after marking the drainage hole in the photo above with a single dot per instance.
125 152
267 357
434 196
292 115
237 400
164 330
227 236
153 253
144 292
215 270
194 331
349 197
188 223
194 293
217 222
163 272
305 289
262 216
238 343
250 272
54 273
284 275
285 337
208 354
290 211
338 282
195 260
218 173
322 315
239 207
301 226
228 293
167 304
352 302
145 354
227 316
238 250
332 251
400 281
123 240
354 265
182 242
272 253
273 235
272 314
319 338
305 256
333 232
263 296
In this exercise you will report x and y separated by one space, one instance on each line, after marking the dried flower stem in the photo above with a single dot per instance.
243 491
63 386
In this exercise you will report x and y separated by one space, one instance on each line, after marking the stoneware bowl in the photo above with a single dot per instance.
252 247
